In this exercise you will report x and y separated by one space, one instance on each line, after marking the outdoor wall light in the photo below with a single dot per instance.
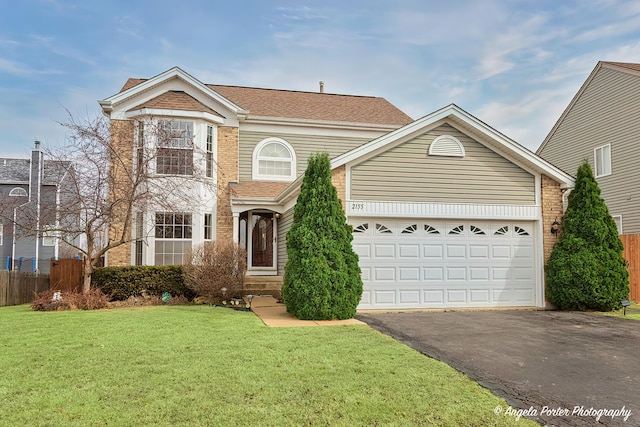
555 227
277 215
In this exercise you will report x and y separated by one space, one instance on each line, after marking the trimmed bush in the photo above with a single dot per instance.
586 270
322 277
213 266
124 282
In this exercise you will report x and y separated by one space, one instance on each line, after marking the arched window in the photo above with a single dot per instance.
274 160
446 145
15 192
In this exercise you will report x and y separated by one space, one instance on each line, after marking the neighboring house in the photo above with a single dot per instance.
601 125
29 196
446 211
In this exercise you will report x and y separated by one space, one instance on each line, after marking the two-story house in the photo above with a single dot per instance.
446 211
29 196
601 124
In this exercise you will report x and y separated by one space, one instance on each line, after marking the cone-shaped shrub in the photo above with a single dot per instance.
586 270
322 278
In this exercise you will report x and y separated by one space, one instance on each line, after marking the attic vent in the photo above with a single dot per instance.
446 145
16 192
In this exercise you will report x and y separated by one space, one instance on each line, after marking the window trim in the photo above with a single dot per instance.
49 238
604 172
620 228
1 233
256 161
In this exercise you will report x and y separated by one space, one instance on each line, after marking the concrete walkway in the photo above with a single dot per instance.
275 315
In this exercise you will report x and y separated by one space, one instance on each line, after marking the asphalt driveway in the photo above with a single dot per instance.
543 360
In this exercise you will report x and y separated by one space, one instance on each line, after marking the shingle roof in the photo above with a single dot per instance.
257 189
176 100
629 65
14 170
307 105
17 170
314 105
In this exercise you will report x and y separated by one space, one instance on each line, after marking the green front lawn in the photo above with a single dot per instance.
633 312
197 365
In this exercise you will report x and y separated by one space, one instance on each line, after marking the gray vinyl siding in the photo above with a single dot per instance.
284 225
304 146
605 113
407 173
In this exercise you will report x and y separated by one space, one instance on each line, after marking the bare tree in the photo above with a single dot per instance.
112 170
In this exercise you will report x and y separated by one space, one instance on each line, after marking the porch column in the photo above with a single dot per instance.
236 227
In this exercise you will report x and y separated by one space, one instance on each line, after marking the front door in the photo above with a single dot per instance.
261 248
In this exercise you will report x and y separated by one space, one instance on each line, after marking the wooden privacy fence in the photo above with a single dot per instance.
20 288
631 253
66 275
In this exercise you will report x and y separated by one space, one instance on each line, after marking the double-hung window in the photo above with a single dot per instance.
173 233
175 148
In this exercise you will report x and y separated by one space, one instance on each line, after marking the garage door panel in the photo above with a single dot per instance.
382 251
433 251
365 300
433 297
525 252
384 297
501 273
480 296
365 273
501 252
418 263
409 251
456 273
363 250
456 251
384 274
478 273
479 252
522 273
433 274
409 274
410 296
456 296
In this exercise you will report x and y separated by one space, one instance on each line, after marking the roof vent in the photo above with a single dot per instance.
446 145
321 86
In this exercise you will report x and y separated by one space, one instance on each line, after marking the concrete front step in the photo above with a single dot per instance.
263 285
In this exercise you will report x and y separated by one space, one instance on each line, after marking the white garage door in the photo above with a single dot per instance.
438 264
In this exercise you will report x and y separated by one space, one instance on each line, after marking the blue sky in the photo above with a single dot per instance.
513 64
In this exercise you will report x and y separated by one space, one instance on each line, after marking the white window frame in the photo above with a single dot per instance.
256 175
1 233
49 238
602 155
618 220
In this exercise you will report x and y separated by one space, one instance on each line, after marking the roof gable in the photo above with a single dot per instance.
628 68
147 89
467 123
175 100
